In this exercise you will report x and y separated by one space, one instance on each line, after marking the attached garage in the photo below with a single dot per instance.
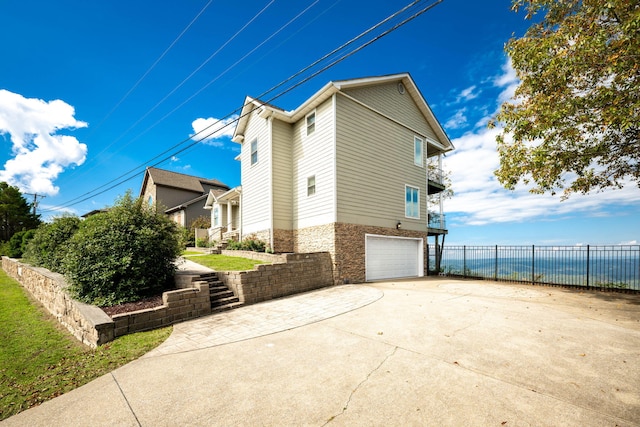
389 257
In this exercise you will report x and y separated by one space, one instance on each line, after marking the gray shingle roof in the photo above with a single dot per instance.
178 180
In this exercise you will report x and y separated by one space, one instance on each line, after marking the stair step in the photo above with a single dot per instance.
221 294
223 301
207 277
226 307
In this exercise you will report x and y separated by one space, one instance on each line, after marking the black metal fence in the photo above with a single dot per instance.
597 267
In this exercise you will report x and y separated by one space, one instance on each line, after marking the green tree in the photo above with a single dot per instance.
49 244
15 212
574 122
122 255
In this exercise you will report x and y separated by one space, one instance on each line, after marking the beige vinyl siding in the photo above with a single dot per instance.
387 100
256 178
282 175
374 163
313 155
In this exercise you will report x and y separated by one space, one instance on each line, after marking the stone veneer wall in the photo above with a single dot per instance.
294 273
87 323
349 256
283 241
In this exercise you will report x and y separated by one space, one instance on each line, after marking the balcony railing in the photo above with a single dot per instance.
436 175
437 220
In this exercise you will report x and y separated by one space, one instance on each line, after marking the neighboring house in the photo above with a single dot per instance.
346 172
180 196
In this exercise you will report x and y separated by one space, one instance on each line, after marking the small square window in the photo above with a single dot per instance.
311 185
412 202
418 149
254 151
311 123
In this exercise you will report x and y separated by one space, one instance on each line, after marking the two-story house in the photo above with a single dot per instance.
180 196
346 172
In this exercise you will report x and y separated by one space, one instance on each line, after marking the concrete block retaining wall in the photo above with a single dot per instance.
89 323
289 274
177 306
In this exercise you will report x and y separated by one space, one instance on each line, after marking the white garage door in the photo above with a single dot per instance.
393 257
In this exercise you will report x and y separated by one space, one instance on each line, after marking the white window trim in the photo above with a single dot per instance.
216 216
406 187
306 123
415 141
309 186
251 152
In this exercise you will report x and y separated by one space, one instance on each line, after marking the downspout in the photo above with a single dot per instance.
270 142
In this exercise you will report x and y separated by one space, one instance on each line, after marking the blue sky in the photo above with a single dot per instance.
91 91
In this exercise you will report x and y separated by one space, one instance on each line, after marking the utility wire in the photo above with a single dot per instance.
125 177
176 87
220 75
146 73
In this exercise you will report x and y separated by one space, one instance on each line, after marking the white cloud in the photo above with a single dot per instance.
480 199
458 120
508 80
468 94
213 130
40 153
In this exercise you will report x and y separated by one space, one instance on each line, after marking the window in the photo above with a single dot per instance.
311 185
311 123
216 216
412 202
418 146
254 151
150 200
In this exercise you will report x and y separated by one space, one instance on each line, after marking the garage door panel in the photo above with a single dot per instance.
389 257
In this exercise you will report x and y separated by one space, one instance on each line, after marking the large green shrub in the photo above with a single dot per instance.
49 245
122 255
18 242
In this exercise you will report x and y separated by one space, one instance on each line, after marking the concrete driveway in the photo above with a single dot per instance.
429 352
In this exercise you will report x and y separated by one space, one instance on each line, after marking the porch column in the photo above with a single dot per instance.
229 216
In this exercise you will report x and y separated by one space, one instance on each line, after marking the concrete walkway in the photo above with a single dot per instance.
416 352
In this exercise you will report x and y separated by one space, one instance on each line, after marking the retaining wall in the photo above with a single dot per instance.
89 323
289 274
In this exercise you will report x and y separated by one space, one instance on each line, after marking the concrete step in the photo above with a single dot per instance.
223 301
226 307
223 293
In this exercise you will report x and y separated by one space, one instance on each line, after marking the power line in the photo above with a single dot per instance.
125 177
146 73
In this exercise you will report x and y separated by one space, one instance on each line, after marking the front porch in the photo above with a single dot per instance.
225 215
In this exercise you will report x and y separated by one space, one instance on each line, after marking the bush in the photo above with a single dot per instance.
15 245
122 255
50 242
249 244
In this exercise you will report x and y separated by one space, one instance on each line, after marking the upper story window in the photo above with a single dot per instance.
311 185
411 202
418 151
311 123
254 152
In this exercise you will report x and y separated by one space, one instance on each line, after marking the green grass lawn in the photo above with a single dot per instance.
224 262
40 360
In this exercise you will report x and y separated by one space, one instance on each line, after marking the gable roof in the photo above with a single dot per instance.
185 205
177 180
266 110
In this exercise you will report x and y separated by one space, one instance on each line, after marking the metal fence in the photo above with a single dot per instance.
597 267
